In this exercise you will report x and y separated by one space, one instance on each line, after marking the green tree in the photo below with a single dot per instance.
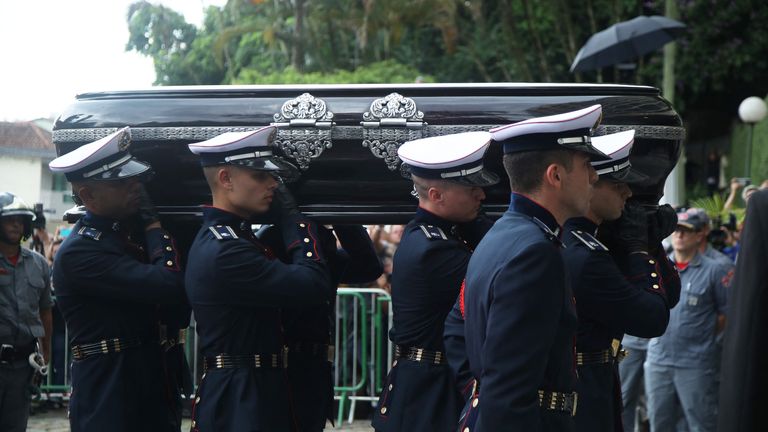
720 58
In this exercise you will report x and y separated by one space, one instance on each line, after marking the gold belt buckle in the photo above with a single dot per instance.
615 347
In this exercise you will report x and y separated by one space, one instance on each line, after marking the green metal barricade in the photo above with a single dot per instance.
363 352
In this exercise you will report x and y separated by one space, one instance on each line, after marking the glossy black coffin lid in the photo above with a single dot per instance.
345 137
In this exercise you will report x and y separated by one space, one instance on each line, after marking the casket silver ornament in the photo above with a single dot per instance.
304 129
389 122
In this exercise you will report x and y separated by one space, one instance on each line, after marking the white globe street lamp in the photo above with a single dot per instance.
751 110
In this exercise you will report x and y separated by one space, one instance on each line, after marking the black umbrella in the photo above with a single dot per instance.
626 40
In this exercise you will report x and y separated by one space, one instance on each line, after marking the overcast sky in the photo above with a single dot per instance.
55 49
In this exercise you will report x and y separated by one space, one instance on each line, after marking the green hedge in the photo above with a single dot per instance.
383 72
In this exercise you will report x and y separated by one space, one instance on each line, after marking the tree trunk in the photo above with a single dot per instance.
536 41
298 39
674 188
563 11
517 54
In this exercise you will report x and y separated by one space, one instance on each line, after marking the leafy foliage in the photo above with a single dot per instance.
714 207
387 71
721 57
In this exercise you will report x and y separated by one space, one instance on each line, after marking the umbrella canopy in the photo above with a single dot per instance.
626 40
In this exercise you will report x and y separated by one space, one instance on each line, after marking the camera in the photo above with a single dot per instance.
718 236
39 222
744 181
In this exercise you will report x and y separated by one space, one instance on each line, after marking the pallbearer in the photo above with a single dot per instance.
627 289
519 311
238 289
429 266
110 275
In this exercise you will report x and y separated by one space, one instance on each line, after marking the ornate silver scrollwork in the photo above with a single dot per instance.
304 128
304 107
199 133
386 150
303 145
393 106
388 123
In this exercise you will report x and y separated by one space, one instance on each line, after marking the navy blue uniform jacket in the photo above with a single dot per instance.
453 335
237 289
428 269
610 303
520 321
106 287
310 374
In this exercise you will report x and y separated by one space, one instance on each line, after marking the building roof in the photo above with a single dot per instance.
26 139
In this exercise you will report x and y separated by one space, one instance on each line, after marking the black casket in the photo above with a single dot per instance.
345 138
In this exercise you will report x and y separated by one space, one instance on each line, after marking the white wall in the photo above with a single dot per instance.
21 176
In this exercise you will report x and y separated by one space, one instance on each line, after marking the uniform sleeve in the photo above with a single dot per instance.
251 278
721 285
107 271
271 236
301 239
525 309
46 299
357 261
446 266
670 278
635 303
456 347
474 231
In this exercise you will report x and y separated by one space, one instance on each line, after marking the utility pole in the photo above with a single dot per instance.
674 188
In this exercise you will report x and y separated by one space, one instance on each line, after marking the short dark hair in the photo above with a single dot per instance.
526 169
422 185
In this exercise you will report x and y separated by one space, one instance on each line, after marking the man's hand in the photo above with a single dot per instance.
632 229
661 224
284 202
735 185
148 215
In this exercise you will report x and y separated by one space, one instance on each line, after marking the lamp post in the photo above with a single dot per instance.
751 110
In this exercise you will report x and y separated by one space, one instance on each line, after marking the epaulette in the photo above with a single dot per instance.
90 232
589 240
433 233
552 236
223 232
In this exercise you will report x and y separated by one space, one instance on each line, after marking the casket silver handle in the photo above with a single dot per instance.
304 128
389 122
393 123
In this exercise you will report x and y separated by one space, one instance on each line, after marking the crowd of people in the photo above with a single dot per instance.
566 314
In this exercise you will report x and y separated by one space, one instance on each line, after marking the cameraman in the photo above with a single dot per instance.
41 240
25 311
709 235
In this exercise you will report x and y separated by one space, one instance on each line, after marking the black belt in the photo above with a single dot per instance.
556 401
606 356
420 355
313 349
549 400
227 361
104 346
9 353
